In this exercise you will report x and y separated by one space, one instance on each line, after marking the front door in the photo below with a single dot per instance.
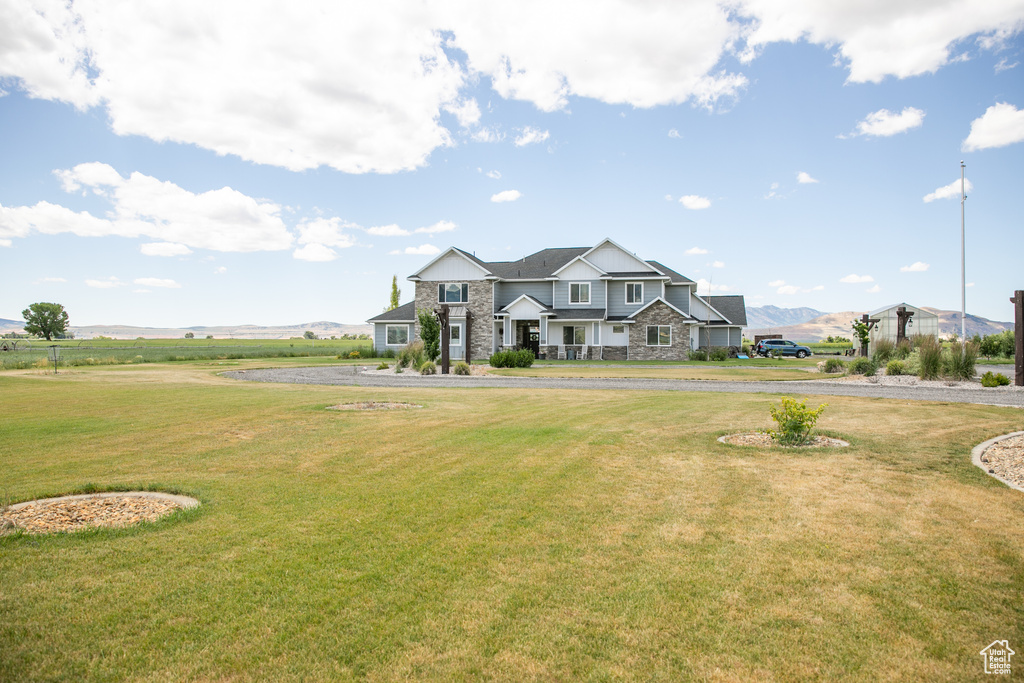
533 340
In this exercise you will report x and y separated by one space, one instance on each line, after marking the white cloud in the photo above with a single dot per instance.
969 284
668 198
818 288
487 135
803 178
506 196
854 279
141 291
874 290
164 249
788 289
467 112
694 202
315 252
494 175
50 279
703 287
156 282
1001 125
220 270
673 133
531 136
440 226
695 251
1005 65
387 231
328 232
915 267
718 264
949 191
109 283
422 250
220 220
776 283
876 40
884 123
6 243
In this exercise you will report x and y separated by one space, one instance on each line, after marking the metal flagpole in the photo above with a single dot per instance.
963 268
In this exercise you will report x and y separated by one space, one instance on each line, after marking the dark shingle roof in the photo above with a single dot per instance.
579 313
404 313
636 273
677 279
535 266
732 307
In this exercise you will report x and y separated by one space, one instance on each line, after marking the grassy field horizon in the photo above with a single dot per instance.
500 533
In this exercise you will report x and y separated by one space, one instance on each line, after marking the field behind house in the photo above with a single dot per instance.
500 533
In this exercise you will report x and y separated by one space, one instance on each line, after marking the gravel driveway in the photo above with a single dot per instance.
350 375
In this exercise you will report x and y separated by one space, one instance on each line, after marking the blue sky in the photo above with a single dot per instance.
196 164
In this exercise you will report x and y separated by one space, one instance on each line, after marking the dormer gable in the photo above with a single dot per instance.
612 258
578 269
452 265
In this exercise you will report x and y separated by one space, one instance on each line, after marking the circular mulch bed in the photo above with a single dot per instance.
1003 458
765 441
374 405
75 513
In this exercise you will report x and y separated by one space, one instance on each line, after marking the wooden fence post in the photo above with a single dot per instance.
1018 334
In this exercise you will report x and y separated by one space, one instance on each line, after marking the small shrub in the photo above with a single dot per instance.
862 366
355 354
460 368
719 354
428 368
833 365
699 354
960 360
523 358
929 351
994 380
895 367
884 351
795 421
383 366
388 353
398 369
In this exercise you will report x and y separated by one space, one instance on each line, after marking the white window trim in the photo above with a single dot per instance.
647 335
579 303
626 293
387 335
456 342
621 329
574 328
445 285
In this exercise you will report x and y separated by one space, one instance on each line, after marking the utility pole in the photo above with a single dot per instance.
963 266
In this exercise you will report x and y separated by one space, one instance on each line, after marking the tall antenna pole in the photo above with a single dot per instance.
963 268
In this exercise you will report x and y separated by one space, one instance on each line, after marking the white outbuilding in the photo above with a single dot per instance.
922 322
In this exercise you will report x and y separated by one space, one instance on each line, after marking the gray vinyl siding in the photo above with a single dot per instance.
507 292
735 336
719 336
380 335
617 296
596 294
678 297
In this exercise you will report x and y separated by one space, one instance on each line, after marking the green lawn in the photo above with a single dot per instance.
712 371
500 534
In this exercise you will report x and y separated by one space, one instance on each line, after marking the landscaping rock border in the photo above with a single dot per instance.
90 510
766 441
1006 462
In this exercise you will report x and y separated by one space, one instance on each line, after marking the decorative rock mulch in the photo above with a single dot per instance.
374 405
765 441
75 513
1003 458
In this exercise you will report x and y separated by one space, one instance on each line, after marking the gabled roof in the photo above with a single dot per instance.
731 307
677 279
579 313
627 252
638 275
902 303
654 301
536 266
453 250
406 313
541 307
581 260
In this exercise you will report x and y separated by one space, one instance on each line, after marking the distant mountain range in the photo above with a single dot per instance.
838 324
321 328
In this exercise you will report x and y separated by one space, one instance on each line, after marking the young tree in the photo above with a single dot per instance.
396 294
430 333
190 335
308 334
45 320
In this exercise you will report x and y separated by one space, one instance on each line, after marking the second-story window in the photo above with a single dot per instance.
452 293
634 292
579 292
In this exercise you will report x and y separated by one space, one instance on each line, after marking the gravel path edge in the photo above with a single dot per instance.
979 451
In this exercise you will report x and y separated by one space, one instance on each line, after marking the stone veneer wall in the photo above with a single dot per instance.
481 304
659 314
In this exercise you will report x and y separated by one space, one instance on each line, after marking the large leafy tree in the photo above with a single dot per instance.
45 320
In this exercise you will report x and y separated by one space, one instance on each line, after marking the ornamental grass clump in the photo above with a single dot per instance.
959 360
863 366
895 367
833 365
428 368
884 351
795 422
929 362
460 368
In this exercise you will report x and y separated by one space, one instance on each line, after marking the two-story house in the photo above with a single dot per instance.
603 301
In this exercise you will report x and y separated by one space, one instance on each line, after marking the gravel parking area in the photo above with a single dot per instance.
899 388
